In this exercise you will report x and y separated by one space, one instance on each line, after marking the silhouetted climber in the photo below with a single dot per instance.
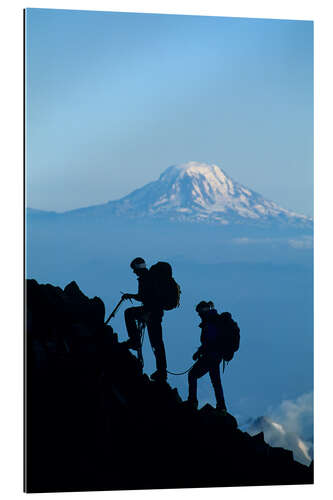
151 313
208 356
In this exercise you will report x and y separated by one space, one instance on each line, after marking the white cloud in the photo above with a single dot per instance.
296 418
289 426
295 415
242 241
301 243
254 241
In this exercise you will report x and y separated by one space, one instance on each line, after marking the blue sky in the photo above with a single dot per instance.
114 99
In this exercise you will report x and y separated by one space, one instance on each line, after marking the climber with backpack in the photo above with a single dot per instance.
219 340
158 292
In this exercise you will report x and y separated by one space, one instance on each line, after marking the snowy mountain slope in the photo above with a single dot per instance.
276 435
196 191
200 189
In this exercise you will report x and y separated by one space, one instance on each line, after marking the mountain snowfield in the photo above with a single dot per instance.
199 192
276 435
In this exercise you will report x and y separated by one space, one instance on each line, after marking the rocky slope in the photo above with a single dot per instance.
94 421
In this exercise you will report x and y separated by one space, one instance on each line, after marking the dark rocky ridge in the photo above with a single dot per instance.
95 422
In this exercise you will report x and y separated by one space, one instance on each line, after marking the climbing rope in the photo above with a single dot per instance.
141 329
181 373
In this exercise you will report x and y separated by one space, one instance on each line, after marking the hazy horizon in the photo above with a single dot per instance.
267 285
138 187
113 99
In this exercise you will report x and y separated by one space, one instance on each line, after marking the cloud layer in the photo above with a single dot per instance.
296 416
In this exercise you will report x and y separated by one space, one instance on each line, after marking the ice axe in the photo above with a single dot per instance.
112 315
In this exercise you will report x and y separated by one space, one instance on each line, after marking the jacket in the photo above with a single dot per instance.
209 334
146 292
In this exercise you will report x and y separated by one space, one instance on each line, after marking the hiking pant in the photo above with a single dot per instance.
154 327
211 365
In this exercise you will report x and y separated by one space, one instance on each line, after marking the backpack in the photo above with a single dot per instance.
229 338
166 289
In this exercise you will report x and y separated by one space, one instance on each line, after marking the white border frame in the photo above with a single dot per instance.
11 366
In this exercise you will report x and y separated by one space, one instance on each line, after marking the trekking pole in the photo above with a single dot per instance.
114 311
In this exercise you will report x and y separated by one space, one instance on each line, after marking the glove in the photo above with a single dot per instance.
195 355
127 296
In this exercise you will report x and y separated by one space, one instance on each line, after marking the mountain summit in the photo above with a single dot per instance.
198 192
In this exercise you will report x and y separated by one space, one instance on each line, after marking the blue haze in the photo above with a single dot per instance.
266 284
114 98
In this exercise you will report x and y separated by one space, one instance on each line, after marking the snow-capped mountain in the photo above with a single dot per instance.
198 192
276 435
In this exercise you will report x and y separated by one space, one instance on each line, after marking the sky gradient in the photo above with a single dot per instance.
113 99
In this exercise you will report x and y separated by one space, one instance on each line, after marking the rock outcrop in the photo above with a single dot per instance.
94 421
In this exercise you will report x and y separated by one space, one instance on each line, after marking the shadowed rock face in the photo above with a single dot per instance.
95 422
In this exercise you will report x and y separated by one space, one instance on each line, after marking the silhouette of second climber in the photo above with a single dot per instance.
208 357
151 314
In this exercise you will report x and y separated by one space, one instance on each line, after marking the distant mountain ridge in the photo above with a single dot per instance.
197 192
276 435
